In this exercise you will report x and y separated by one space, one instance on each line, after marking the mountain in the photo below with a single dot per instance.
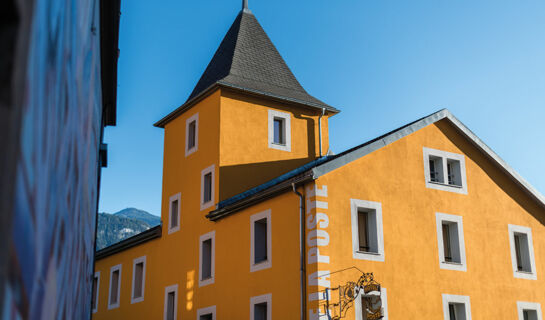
140 215
121 225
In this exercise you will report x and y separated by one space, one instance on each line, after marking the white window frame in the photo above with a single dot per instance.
260 299
444 155
356 204
523 305
516 273
205 311
142 260
210 235
169 289
451 298
267 263
195 118
384 300
459 266
112 269
175 197
211 169
287 127
97 275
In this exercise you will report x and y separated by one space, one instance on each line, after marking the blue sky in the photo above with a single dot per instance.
383 63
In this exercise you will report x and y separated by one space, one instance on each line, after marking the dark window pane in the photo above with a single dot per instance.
260 240
363 231
452 311
206 259
191 135
446 242
206 317
115 286
260 311
207 187
433 173
171 300
279 131
138 279
174 214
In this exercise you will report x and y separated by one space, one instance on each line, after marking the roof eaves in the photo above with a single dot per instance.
279 97
133 241
188 104
530 190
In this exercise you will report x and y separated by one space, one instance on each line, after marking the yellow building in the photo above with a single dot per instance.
260 221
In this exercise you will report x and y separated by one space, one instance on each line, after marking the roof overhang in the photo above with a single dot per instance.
225 85
150 234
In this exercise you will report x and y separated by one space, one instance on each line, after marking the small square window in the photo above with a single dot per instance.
522 252
96 286
174 213
445 171
529 310
260 229
206 258
208 313
139 279
115 286
191 134
456 307
171 303
260 307
367 236
450 238
279 130
207 187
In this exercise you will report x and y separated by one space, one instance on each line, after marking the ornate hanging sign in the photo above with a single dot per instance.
366 289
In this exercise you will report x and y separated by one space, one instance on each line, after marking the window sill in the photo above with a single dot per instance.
368 252
453 263
446 184
526 272
260 263
278 144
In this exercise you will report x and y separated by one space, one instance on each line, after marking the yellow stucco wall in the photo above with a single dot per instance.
394 176
245 157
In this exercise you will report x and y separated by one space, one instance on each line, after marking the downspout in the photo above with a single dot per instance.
320 130
302 252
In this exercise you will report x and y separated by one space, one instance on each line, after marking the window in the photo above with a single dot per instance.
191 134
456 307
208 313
445 171
279 130
261 251
96 286
171 303
522 252
206 258
363 301
367 236
450 240
138 279
174 213
260 307
207 187
115 286
529 311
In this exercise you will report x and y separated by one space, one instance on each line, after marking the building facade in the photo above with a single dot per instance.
57 92
261 221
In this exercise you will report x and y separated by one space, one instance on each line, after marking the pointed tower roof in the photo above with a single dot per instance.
248 61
